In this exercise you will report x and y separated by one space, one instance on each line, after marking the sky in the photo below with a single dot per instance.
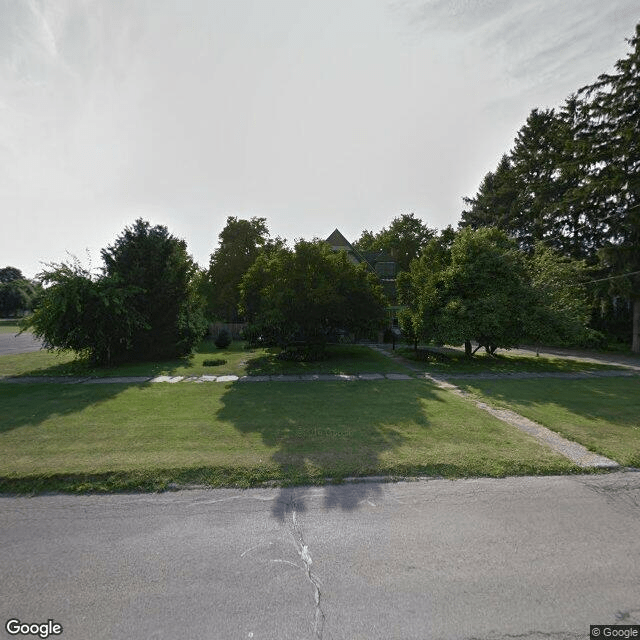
315 115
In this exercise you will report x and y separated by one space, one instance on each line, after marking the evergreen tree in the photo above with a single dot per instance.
611 124
494 203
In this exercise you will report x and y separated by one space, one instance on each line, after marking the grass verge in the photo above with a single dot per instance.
145 437
601 414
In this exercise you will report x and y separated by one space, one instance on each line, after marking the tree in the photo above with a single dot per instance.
158 264
17 294
611 123
403 240
240 242
142 305
91 316
562 309
9 274
305 293
573 180
524 195
494 203
480 288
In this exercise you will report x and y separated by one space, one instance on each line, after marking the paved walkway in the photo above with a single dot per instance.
313 377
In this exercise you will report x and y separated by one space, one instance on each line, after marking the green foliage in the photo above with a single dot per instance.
572 180
214 362
16 297
562 308
240 243
223 340
481 287
17 294
9 274
142 306
93 317
158 265
301 295
403 240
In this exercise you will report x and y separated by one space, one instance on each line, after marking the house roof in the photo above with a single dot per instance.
336 239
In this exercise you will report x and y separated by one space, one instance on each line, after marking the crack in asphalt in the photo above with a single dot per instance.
303 551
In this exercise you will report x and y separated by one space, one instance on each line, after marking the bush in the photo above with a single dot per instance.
224 339
142 306
213 363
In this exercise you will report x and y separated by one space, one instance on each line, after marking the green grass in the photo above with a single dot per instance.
143 437
451 361
9 326
602 414
345 359
348 359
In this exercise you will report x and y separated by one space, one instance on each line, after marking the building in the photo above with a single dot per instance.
379 262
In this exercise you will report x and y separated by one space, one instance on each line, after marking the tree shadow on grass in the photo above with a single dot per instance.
613 399
33 404
83 367
601 413
327 431
339 359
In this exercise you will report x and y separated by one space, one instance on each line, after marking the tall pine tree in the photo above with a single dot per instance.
611 124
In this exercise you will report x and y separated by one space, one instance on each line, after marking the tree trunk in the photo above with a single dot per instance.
635 342
467 348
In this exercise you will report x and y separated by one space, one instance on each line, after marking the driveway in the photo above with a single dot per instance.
23 343
529 558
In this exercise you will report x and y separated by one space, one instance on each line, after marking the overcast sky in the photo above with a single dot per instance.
313 114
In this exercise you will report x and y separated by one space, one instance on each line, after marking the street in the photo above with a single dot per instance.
530 557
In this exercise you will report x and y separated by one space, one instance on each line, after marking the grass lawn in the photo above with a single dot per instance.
450 362
348 359
9 326
119 437
602 414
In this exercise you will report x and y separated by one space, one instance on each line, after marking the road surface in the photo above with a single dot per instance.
527 558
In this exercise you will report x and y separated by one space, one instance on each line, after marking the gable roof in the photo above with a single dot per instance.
336 239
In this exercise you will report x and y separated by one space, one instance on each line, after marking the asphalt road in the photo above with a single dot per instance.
23 343
526 558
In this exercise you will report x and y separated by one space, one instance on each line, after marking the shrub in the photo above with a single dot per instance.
223 340
213 363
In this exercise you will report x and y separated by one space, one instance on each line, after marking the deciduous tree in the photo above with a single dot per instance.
304 293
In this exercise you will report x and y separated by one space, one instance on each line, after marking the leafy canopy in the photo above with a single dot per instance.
142 306
305 293
478 286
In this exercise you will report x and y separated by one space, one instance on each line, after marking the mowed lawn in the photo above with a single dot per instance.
239 360
602 414
116 436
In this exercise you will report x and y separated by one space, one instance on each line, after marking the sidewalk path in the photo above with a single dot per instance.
575 452
312 377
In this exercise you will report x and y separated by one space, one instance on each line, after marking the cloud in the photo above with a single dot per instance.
532 42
